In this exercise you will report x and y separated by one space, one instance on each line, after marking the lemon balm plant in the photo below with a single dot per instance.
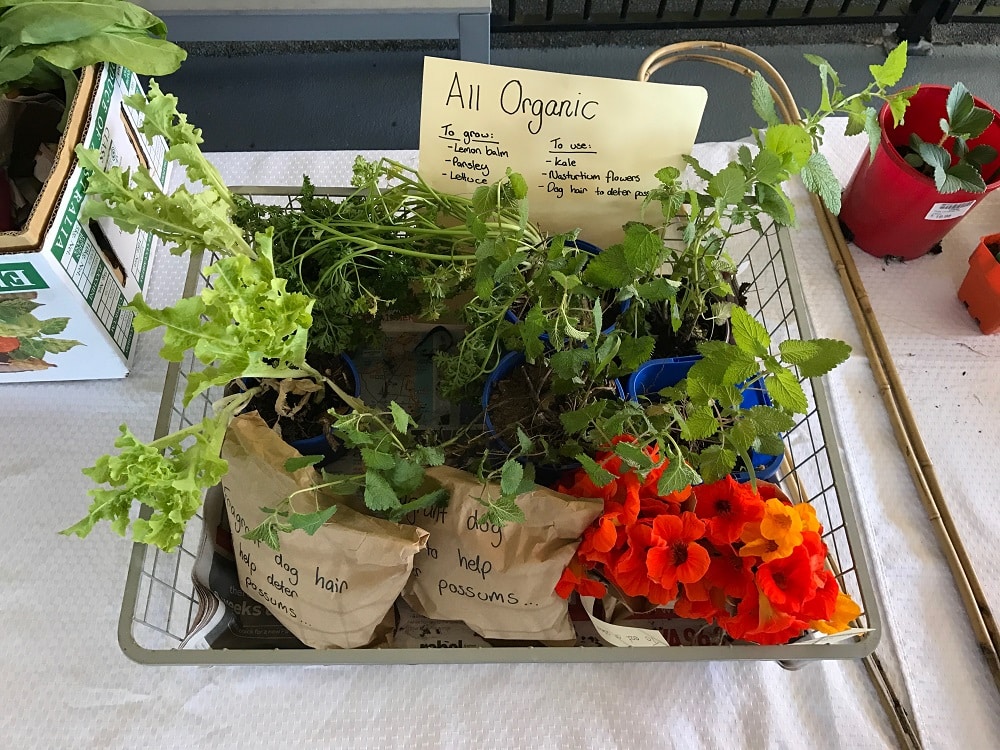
698 217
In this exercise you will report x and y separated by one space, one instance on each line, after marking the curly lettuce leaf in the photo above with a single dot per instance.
191 222
246 325
169 476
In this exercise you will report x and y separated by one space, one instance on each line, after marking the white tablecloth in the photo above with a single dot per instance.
67 685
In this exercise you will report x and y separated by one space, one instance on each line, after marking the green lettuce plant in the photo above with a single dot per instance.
44 42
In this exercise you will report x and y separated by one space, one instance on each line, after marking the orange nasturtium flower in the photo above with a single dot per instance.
726 507
844 611
676 556
574 578
787 582
777 534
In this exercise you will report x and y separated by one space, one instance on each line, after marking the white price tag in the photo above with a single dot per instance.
619 635
946 211
815 638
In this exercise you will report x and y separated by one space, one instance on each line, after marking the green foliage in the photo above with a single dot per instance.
697 221
393 248
961 168
394 457
699 426
168 476
244 325
45 41
189 222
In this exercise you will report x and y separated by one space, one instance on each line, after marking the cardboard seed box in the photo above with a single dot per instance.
63 282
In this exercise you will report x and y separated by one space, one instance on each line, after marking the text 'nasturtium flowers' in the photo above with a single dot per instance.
744 558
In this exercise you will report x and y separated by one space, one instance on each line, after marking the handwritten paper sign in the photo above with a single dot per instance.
589 148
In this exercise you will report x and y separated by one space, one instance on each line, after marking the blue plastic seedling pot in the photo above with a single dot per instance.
657 374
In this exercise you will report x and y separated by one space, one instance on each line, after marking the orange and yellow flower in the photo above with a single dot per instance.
741 556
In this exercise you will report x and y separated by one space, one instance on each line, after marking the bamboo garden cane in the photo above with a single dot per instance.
883 369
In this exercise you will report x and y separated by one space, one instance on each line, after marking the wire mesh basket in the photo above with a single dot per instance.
162 601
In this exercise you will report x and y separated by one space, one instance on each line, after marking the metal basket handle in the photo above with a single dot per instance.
731 57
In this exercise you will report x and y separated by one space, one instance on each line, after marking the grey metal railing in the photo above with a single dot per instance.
913 20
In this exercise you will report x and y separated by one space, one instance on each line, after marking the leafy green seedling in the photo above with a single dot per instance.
961 168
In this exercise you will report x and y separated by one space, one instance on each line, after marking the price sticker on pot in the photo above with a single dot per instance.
947 211
588 148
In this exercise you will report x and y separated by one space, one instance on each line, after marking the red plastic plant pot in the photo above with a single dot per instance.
889 208
981 289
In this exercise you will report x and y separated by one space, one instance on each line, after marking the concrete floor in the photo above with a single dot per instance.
304 97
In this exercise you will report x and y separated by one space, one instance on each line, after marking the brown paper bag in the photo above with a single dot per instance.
332 589
499 581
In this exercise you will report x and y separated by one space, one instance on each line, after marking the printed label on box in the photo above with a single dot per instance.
20 277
